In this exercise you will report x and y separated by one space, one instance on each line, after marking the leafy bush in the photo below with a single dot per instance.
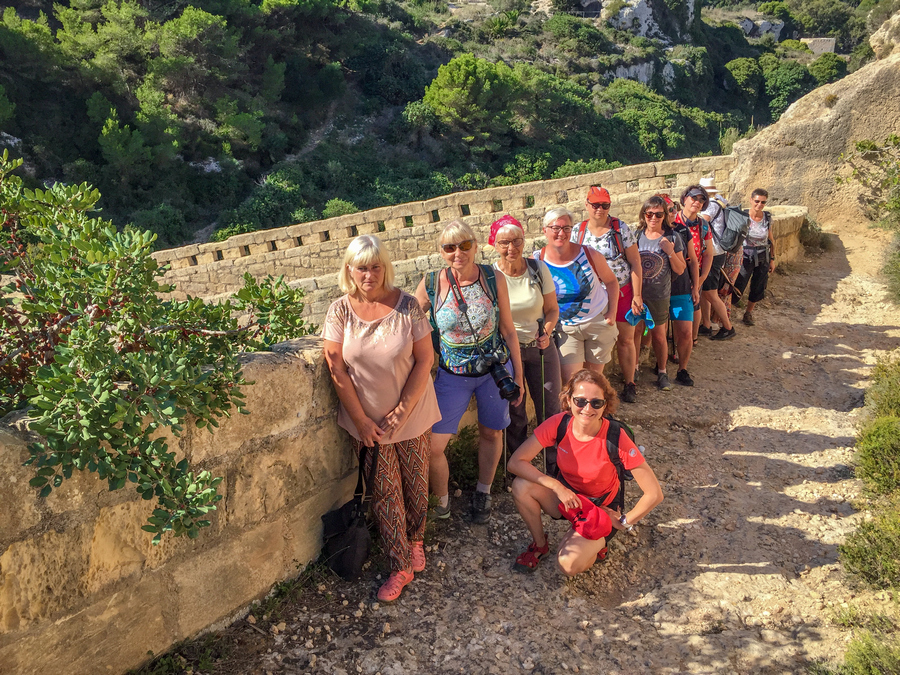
577 168
828 68
870 654
102 364
878 455
872 553
785 82
883 394
338 207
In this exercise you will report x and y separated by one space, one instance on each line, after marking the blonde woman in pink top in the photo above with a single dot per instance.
378 349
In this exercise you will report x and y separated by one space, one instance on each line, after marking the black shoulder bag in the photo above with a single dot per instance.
346 538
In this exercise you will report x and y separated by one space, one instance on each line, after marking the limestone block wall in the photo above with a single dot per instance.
410 230
83 590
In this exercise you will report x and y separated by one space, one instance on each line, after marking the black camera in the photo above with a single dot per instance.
493 364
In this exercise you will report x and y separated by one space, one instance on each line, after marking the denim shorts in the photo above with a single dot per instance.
454 393
681 307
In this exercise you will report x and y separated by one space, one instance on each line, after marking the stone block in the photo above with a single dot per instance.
626 174
303 523
110 635
706 166
21 506
656 183
42 576
229 576
674 166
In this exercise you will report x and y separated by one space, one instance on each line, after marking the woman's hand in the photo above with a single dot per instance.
614 516
771 265
667 245
695 295
542 341
519 380
566 497
610 318
369 432
637 305
393 420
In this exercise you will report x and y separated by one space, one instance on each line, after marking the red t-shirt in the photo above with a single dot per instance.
586 466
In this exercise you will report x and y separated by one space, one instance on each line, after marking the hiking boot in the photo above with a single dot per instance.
629 393
724 334
703 330
441 512
683 377
748 319
417 556
662 381
393 587
481 508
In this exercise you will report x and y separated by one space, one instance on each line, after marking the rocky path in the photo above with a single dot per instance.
736 572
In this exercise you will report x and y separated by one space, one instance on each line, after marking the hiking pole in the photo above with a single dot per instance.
540 323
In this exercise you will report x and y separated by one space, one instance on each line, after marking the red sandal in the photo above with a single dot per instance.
602 553
527 561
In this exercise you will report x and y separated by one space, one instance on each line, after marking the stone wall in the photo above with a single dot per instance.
83 590
410 230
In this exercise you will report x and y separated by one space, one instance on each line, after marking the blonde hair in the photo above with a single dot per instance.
365 250
455 232
555 214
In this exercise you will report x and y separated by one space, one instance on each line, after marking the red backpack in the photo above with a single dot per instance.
615 225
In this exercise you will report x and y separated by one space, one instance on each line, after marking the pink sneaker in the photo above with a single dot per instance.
417 549
393 587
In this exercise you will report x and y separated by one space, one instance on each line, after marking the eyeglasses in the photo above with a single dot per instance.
761 201
600 205
653 214
596 403
463 246
672 209
555 229
511 242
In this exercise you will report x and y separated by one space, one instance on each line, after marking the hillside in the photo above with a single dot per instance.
247 115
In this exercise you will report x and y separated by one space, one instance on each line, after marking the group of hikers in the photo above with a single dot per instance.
550 320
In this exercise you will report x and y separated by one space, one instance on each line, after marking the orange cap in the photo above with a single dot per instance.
598 194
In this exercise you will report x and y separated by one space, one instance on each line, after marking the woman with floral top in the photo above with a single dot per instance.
378 350
615 240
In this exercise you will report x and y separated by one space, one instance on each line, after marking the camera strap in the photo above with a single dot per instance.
461 303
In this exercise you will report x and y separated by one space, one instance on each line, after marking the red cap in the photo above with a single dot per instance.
497 225
598 195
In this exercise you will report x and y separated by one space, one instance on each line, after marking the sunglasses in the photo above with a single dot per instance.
463 246
511 242
761 201
599 205
653 214
596 403
697 198
672 209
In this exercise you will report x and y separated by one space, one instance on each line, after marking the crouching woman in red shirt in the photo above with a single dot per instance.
584 468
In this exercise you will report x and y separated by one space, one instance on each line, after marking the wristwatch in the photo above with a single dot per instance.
623 520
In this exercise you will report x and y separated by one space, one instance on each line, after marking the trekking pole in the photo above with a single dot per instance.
540 323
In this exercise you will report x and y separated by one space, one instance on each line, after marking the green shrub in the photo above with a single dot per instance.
872 553
883 395
878 455
338 207
892 271
871 654
577 168
828 68
462 456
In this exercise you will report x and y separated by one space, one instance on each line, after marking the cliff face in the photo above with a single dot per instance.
797 158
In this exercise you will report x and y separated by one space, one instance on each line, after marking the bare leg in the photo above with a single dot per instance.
596 367
490 449
625 350
750 306
530 499
438 469
717 306
683 342
568 370
704 310
660 347
577 553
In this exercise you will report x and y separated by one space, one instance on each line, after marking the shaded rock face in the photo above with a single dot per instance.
886 40
797 158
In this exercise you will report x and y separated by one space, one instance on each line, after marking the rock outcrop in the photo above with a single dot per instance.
797 158
886 40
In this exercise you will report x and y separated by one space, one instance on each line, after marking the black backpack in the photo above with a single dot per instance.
612 446
737 225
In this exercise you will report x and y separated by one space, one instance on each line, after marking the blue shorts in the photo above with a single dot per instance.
454 393
681 308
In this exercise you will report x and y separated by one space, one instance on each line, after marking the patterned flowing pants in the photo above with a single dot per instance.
400 495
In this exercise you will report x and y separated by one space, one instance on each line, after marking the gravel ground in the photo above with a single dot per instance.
736 571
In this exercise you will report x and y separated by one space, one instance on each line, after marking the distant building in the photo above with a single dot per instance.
819 45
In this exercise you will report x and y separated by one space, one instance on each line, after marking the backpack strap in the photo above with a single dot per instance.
613 432
616 226
534 269
491 278
431 291
582 229
587 253
552 469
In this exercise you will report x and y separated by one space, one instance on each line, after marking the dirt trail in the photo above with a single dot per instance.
735 572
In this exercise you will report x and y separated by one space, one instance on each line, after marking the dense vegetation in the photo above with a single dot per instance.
258 113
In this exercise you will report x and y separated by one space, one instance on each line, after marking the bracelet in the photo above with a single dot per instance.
624 522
